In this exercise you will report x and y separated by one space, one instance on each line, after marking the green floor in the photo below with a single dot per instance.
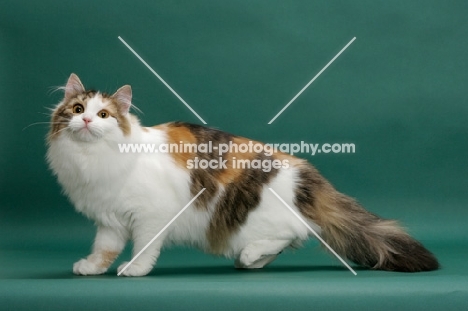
36 274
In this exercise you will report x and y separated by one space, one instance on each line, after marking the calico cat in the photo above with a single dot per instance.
134 195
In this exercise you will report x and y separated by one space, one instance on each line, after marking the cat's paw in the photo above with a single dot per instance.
86 267
247 258
135 269
253 260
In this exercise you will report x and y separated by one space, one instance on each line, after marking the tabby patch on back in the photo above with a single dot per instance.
132 194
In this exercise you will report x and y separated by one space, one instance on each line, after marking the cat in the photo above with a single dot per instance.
132 196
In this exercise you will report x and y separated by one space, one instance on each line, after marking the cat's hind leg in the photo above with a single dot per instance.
260 253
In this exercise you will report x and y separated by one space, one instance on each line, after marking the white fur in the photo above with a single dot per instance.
133 196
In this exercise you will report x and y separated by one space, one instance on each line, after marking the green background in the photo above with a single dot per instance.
398 92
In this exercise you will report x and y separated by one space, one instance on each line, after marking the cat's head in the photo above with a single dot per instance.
90 116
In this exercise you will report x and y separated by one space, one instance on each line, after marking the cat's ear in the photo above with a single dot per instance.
73 87
123 97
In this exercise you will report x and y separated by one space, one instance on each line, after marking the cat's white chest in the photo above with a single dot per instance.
109 187
92 176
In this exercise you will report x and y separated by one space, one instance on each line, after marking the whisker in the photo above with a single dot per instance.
54 89
42 123
36 123
46 114
59 131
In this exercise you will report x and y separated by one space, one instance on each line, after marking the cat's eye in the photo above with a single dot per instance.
78 108
103 114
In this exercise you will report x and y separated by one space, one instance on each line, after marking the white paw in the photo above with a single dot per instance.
85 267
249 260
135 269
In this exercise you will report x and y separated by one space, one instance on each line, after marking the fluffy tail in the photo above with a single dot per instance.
361 236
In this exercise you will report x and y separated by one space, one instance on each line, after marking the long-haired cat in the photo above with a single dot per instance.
134 195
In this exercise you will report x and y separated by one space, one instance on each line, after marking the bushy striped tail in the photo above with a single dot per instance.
357 234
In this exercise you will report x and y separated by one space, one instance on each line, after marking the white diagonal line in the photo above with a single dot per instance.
316 76
313 231
160 232
162 80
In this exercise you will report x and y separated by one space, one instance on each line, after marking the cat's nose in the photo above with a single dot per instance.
87 120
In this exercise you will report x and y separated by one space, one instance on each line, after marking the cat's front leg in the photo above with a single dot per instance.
108 244
142 233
